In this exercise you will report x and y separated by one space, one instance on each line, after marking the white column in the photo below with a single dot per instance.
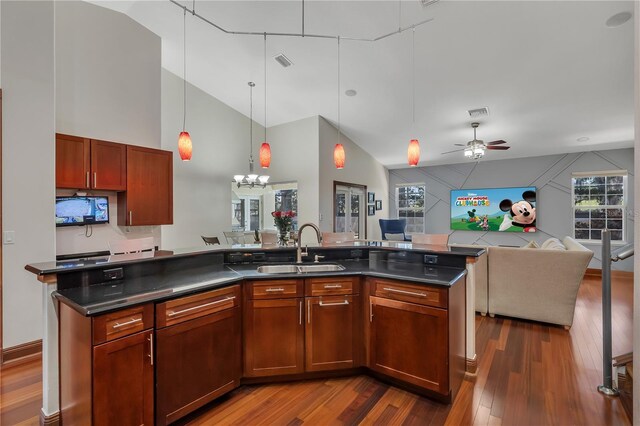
471 311
50 379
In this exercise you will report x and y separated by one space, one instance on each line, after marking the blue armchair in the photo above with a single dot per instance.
393 226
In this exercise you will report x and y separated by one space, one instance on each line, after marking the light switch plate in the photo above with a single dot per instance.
8 237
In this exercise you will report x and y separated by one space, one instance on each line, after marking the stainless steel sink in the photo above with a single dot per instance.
278 269
300 269
331 267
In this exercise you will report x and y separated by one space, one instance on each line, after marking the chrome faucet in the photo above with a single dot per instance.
299 252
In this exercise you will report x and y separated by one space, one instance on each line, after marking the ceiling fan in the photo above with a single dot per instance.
475 149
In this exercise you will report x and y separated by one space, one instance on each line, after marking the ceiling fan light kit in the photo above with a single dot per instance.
475 149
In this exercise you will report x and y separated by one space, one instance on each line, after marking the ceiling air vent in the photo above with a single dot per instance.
478 112
283 60
426 3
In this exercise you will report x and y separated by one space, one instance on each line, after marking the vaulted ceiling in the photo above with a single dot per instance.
550 72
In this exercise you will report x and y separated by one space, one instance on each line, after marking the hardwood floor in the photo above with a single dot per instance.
528 374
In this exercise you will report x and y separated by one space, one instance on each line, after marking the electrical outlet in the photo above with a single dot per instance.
8 237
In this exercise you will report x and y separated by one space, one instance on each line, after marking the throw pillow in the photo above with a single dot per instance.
553 244
531 244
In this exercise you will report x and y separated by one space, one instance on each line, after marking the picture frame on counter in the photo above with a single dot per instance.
371 210
378 204
371 197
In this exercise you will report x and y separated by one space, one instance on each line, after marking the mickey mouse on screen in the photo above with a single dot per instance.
521 213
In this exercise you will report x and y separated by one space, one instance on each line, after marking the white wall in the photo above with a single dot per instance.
27 161
636 258
360 168
107 87
551 174
202 186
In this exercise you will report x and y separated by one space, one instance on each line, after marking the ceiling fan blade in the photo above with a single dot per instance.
455 150
495 142
459 144
498 147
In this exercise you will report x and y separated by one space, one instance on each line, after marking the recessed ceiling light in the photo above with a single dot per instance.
582 139
618 19
350 92
283 60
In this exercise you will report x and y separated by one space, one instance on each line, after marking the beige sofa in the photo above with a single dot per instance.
535 283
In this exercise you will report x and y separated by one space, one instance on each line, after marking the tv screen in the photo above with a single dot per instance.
78 211
497 209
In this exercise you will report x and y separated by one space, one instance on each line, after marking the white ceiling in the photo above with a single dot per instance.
550 72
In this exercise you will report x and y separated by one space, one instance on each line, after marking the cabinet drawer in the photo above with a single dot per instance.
122 323
331 286
275 289
196 306
408 292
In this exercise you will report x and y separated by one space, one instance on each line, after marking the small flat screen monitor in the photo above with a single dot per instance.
77 211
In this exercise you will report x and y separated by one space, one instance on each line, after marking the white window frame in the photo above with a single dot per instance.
625 199
424 208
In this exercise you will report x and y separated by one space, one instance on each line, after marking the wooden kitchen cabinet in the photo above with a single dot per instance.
106 367
417 334
83 163
73 162
273 328
199 354
149 196
123 381
333 332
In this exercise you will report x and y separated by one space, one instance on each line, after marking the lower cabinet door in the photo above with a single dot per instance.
410 342
330 332
274 337
197 361
123 381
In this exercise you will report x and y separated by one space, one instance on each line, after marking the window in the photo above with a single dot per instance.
285 200
599 200
410 206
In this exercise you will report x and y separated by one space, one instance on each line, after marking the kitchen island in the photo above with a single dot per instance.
155 336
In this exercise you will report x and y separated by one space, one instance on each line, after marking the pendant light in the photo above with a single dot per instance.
265 148
252 179
338 151
413 152
184 139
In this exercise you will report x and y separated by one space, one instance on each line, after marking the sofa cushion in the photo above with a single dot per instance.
553 244
394 237
531 244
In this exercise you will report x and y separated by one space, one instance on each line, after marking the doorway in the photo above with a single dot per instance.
350 208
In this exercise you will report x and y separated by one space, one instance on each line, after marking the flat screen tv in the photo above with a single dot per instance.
77 211
496 209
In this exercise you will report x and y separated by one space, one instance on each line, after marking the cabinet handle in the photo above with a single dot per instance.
308 311
151 347
411 293
95 179
124 324
130 217
370 311
333 286
174 313
300 315
271 290
87 179
344 302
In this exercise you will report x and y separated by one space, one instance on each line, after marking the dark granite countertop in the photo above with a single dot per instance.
101 298
72 265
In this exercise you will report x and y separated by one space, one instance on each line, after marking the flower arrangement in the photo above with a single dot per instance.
283 221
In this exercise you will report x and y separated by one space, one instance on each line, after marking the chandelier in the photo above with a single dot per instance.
252 179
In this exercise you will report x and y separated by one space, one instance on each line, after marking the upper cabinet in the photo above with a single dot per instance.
108 166
149 196
73 161
83 163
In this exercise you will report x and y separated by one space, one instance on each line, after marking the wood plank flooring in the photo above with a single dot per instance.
528 374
